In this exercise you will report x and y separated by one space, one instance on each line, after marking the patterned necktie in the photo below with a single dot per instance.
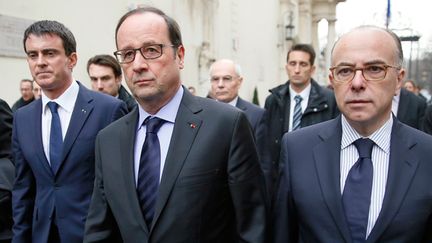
149 169
56 139
357 191
297 113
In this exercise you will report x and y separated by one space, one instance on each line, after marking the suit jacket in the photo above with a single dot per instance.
6 171
41 195
253 112
127 98
321 107
309 204
211 190
411 109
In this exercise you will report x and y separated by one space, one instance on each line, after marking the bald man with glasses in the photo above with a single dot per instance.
363 176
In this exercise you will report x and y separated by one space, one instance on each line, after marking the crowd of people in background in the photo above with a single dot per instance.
345 163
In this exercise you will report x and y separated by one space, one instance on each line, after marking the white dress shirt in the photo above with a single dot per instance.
305 95
380 161
66 104
167 113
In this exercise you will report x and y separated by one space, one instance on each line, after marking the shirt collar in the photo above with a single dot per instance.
234 101
66 100
381 137
167 112
304 93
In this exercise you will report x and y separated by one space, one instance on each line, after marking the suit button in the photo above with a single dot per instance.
277 141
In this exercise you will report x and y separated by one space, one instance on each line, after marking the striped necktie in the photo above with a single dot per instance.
297 113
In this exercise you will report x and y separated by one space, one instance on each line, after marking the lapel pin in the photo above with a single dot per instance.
84 111
192 125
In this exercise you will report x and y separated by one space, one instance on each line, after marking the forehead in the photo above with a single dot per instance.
96 68
142 28
365 45
44 41
223 68
298 56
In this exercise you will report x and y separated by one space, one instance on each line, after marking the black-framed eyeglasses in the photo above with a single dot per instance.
372 72
149 52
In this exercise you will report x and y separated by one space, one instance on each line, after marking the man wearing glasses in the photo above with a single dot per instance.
226 79
180 168
364 175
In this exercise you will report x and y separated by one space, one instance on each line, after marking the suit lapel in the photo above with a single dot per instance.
240 104
36 131
186 127
402 167
83 108
127 148
328 170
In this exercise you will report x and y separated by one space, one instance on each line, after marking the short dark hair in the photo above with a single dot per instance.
27 80
304 48
107 61
51 27
173 27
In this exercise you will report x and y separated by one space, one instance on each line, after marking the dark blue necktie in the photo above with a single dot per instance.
357 192
56 139
149 169
297 113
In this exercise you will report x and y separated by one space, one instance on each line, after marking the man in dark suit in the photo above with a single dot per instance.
53 141
26 90
409 108
297 103
226 80
106 77
182 168
364 176
6 173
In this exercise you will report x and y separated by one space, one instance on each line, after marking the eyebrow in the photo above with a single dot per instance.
372 62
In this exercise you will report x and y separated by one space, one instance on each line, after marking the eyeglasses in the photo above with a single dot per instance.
148 52
372 73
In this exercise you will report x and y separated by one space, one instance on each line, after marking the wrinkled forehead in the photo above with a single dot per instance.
365 45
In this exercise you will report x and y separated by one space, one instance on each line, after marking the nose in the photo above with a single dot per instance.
220 82
40 61
297 68
358 81
99 84
139 63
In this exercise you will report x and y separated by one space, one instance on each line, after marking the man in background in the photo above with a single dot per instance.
226 80
298 103
26 90
53 141
106 77
37 91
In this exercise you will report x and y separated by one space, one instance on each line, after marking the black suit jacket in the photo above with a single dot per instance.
411 109
127 98
6 171
253 112
211 190
309 203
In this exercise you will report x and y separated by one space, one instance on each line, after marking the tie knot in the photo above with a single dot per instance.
298 98
364 147
53 107
153 124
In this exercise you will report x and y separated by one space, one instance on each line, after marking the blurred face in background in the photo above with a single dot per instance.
103 79
26 90
225 82
37 91
299 70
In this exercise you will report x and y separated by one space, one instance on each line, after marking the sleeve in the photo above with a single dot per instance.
23 193
5 129
247 185
100 224
284 222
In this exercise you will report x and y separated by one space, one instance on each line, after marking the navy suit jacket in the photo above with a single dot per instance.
253 112
211 190
39 191
309 204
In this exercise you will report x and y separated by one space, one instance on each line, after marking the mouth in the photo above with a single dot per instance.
143 81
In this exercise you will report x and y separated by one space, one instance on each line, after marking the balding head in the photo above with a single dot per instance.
225 78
